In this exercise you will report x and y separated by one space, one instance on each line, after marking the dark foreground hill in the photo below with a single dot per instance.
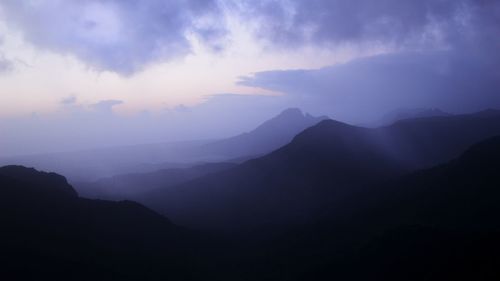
313 175
434 224
49 233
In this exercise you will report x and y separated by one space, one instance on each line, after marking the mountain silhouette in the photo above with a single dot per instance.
49 233
267 137
93 164
460 194
317 171
438 223
434 224
128 186
410 113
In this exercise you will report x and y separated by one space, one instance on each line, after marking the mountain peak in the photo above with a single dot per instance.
292 111
267 137
490 112
289 120
291 117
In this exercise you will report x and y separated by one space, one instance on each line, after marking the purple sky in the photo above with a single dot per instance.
77 74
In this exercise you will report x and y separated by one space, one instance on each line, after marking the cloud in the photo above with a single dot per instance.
125 36
443 54
364 89
70 100
181 108
77 126
404 23
116 35
5 64
105 106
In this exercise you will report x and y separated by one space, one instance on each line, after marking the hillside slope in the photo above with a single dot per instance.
315 172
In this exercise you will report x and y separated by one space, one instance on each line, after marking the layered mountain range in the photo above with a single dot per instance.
318 170
415 200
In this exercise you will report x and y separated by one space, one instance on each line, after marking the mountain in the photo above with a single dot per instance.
49 233
460 194
94 164
128 186
410 113
434 224
315 173
425 142
272 134
267 137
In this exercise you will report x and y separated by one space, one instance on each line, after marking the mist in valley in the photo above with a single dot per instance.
249 140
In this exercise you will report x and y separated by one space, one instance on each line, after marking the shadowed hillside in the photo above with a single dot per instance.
321 167
128 186
434 224
49 233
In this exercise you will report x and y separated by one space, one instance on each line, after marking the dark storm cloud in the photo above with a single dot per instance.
401 22
124 36
121 36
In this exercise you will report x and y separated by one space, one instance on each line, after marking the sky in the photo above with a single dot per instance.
76 74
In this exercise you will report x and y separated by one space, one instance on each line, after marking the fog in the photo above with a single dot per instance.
283 140
76 127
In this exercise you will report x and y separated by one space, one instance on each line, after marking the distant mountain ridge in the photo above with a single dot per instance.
91 165
271 135
411 113
321 166
128 186
434 224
